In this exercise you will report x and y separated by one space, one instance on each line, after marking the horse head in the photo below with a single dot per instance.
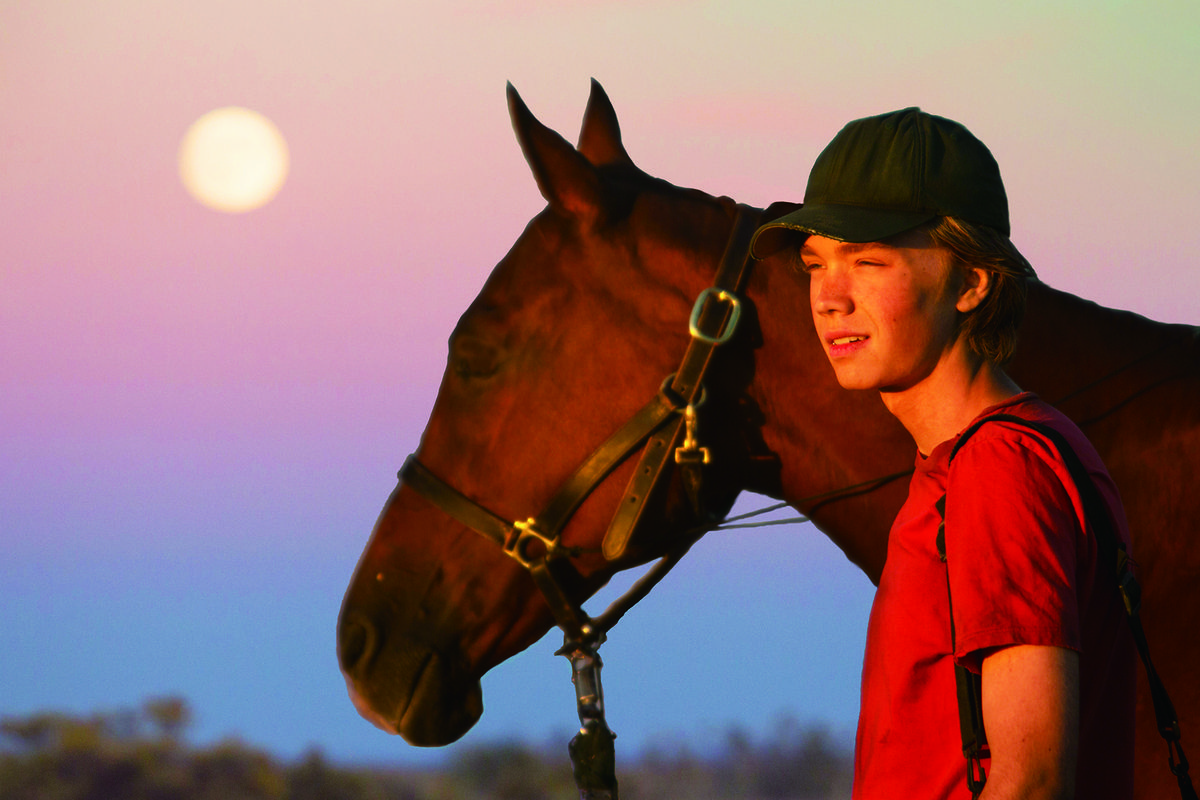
582 322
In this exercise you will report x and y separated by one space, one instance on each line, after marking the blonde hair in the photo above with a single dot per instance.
991 327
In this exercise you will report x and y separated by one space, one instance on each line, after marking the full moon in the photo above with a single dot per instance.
233 159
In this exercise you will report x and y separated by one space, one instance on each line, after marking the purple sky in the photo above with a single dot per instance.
201 414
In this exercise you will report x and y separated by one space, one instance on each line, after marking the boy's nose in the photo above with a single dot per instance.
830 292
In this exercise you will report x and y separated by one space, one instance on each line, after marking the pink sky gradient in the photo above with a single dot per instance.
201 414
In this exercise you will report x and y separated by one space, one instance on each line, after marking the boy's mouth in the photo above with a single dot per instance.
842 345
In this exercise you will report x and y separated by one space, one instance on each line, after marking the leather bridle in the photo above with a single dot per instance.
535 542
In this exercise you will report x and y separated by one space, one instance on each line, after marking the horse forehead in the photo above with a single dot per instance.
552 271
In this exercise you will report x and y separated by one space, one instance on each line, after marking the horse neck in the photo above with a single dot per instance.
1084 357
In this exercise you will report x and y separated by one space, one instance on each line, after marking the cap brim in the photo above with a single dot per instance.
843 223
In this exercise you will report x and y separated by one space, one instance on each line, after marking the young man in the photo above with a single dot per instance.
917 293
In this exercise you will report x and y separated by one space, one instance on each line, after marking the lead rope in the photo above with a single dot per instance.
592 749
593 756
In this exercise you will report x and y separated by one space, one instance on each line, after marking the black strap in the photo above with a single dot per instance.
418 477
1111 552
968 685
686 383
525 543
604 459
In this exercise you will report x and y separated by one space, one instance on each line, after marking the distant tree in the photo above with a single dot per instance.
37 732
107 757
70 757
315 779
513 771
170 716
800 762
233 770
735 767
124 725
668 768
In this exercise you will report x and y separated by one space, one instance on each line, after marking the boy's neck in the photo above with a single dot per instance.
945 403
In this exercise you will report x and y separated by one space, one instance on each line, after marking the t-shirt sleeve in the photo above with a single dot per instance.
1012 541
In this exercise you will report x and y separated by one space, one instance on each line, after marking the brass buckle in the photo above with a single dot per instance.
730 326
519 538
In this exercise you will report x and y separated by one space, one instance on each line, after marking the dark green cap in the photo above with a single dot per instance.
883 175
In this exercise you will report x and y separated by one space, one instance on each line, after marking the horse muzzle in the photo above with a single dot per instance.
407 687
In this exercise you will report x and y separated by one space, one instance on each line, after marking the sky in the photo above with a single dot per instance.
202 413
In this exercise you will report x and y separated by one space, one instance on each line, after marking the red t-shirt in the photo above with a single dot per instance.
1022 570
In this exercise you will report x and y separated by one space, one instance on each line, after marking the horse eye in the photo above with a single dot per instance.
473 358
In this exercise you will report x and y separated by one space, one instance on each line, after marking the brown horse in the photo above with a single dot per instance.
578 326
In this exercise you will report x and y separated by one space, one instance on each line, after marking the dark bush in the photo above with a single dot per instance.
143 754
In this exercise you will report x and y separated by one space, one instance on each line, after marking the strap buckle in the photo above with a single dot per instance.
729 326
519 538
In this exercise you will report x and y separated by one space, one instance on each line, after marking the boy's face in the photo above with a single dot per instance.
885 311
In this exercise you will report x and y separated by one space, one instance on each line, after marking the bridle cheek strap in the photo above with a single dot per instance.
717 308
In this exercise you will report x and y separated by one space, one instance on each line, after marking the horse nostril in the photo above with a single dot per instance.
354 642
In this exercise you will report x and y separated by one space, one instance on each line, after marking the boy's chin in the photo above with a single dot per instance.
847 379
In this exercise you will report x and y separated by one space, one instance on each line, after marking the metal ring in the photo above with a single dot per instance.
673 396
730 325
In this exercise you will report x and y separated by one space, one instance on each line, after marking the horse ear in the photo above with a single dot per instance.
565 178
600 136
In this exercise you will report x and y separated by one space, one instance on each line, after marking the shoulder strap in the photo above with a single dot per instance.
969 686
1111 552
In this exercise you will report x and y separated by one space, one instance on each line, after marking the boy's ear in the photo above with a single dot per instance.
977 284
